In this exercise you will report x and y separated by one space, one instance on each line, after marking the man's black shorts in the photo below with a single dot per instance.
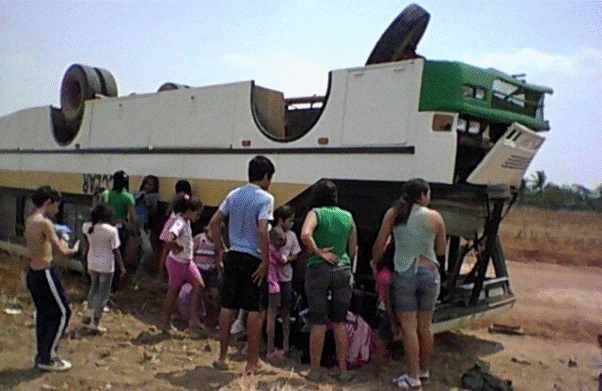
238 291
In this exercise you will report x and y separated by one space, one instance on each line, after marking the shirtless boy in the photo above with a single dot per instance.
52 308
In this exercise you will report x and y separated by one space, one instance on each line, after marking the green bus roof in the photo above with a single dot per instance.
442 86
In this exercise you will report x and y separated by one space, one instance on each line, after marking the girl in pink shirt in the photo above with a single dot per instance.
180 267
205 258
277 240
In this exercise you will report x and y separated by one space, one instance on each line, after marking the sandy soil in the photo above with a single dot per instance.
559 308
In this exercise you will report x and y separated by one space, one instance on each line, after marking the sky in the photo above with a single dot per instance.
291 45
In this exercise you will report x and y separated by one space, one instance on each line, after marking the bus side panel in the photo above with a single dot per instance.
28 129
379 103
435 151
195 117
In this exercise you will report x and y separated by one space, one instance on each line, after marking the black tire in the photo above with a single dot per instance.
61 133
171 86
400 39
107 82
80 83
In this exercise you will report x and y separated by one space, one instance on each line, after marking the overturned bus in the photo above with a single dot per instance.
470 132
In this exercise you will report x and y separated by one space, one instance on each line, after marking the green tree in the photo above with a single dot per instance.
537 181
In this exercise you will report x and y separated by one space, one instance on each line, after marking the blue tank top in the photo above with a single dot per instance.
414 239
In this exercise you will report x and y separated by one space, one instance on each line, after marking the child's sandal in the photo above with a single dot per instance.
405 382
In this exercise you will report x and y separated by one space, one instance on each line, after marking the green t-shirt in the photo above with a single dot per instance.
334 226
119 201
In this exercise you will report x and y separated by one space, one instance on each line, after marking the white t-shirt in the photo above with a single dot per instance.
291 247
183 233
103 240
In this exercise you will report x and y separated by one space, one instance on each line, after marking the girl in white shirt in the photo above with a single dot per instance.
102 244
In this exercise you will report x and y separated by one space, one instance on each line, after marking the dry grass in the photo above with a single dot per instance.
253 383
12 282
561 237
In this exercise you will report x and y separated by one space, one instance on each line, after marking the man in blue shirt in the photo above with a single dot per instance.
249 209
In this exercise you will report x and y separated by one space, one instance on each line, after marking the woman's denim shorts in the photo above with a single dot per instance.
416 289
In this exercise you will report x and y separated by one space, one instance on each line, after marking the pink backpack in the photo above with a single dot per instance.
361 340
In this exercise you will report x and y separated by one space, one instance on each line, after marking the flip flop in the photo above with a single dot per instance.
406 383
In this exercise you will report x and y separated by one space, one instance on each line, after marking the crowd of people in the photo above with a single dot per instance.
241 262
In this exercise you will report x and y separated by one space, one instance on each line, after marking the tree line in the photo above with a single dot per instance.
538 192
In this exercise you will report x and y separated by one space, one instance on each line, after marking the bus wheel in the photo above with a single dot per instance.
400 39
171 86
80 83
107 82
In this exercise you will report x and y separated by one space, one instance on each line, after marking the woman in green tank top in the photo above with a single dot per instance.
329 234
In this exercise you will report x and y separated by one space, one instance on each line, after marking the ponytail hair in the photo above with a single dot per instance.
184 202
412 190
101 213
121 181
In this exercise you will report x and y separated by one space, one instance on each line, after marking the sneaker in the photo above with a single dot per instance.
56 364
424 375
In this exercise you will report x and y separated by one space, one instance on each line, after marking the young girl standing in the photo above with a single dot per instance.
277 240
102 241
180 267
284 217
205 257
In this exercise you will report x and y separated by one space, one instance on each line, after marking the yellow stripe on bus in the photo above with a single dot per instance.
209 191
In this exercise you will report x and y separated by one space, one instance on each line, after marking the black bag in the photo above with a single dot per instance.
479 379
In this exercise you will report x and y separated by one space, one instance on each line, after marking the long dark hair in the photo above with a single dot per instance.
324 193
412 190
184 202
101 213
121 181
183 186
154 180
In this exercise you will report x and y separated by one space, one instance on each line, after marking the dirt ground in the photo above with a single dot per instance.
559 308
